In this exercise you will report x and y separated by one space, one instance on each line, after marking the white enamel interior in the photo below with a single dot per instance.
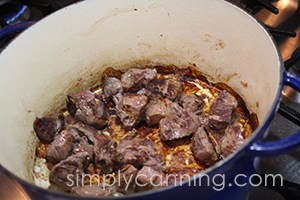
44 63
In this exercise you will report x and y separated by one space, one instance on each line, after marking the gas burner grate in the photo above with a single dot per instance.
253 6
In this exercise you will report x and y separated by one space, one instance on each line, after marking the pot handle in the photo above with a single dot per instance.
284 145
14 29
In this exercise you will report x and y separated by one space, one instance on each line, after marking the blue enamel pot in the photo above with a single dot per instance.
53 56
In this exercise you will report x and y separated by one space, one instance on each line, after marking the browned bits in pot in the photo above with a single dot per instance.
41 150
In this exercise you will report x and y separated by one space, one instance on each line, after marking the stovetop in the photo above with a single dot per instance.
285 26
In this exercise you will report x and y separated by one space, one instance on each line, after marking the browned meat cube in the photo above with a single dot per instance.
47 127
178 124
192 103
104 154
171 88
149 178
231 140
111 87
103 147
157 109
221 110
66 173
86 108
127 179
138 152
84 146
61 147
92 191
82 130
203 149
130 108
134 78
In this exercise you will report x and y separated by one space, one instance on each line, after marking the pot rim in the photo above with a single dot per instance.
245 147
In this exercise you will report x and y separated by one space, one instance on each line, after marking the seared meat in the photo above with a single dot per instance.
111 87
103 147
127 153
47 127
134 78
69 121
84 146
148 178
85 107
65 174
221 110
144 91
171 88
118 100
138 152
202 148
61 147
127 179
81 130
92 191
177 125
203 120
138 128
154 86
231 140
157 109
73 102
133 180
104 150
191 103
131 108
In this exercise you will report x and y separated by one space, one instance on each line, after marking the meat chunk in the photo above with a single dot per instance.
104 151
157 109
134 78
138 152
191 103
61 147
221 110
171 88
82 130
66 173
126 180
84 146
111 87
103 147
47 127
154 86
134 180
178 124
130 108
203 149
118 100
149 178
231 140
73 102
203 120
69 121
92 191
86 108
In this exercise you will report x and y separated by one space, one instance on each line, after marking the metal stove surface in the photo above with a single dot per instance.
288 165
